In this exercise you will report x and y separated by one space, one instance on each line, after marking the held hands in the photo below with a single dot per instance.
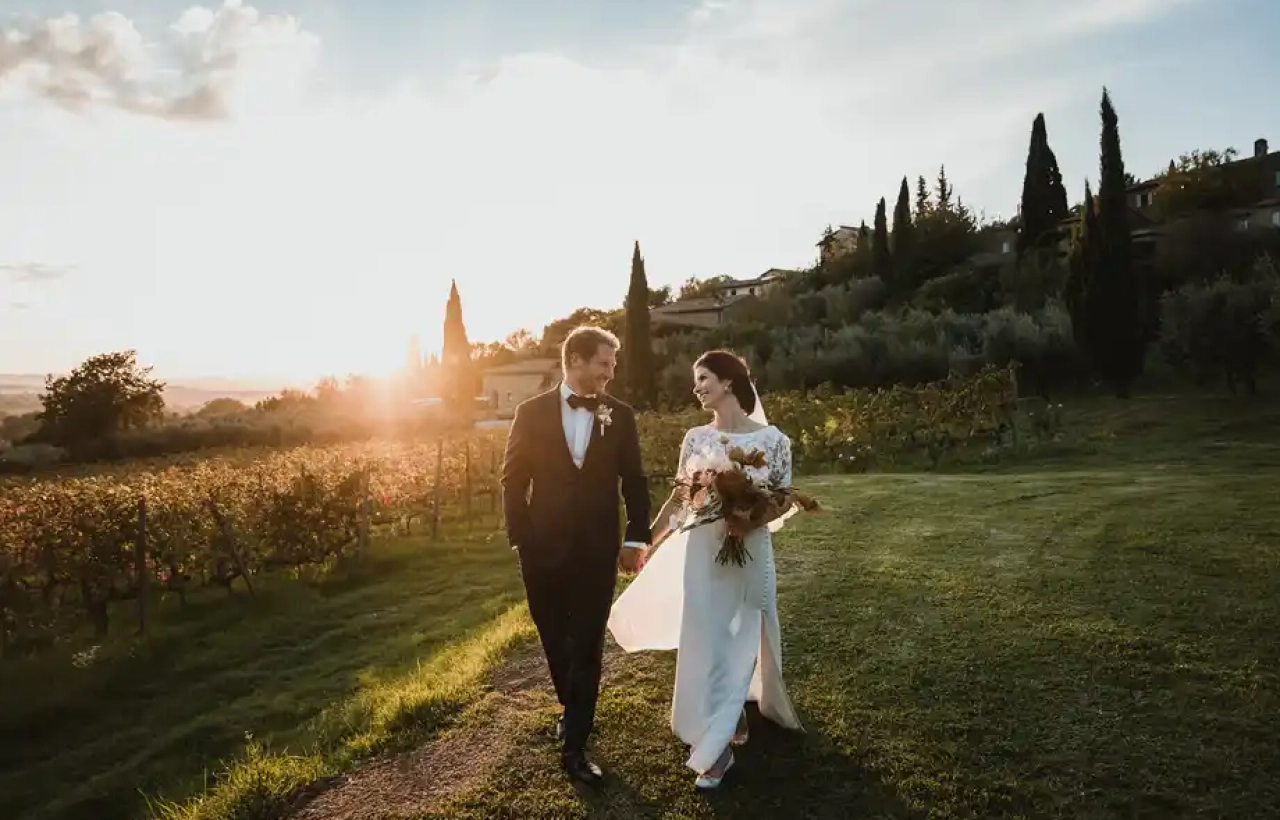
631 559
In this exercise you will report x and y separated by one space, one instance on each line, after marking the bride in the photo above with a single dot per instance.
723 619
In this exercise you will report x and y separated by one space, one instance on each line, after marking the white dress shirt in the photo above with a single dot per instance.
577 434
577 426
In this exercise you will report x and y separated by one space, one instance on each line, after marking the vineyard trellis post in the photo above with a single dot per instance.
466 481
5 596
1013 417
141 576
435 490
494 481
229 544
362 525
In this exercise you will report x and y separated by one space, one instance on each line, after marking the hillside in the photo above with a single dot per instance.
1076 636
19 393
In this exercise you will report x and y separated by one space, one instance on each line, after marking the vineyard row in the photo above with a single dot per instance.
70 547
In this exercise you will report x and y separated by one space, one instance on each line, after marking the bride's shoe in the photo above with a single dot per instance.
743 732
707 781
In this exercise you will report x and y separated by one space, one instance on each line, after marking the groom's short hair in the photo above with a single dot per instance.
584 342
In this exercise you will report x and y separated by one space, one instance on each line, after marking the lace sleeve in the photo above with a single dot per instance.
686 450
779 458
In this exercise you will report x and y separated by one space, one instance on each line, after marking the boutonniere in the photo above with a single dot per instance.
604 415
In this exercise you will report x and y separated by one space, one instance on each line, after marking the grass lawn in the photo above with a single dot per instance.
1090 637
1086 634
337 668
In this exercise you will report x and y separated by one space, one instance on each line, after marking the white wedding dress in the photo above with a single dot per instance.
722 619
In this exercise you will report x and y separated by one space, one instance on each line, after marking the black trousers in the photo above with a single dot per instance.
569 601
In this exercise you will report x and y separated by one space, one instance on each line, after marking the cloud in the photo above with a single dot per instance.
35 272
19 305
350 202
194 71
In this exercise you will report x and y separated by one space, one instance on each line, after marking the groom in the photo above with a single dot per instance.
568 451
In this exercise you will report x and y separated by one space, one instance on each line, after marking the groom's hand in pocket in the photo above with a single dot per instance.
631 559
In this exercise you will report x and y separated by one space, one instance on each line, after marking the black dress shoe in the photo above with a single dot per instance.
579 768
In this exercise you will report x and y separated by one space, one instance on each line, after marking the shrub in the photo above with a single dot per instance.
1226 328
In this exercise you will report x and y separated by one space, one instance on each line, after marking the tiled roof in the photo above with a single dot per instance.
705 304
530 366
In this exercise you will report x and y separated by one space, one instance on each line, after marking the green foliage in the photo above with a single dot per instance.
904 251
945 233
859 264
1203 245
455 356
1227 328
882 256
660 296
105 394
1078 640
1116 293
14 429
1044 199
970 290
883 348
553 335
637 348
701 288
218 408
1083 265
69 546
924 207
456 349
1207 180
853 430
227 710
1103 291
1037 279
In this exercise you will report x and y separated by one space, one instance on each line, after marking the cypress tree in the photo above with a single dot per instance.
1119 297
903 238
637 348
1103 293
1044 198
1083 263
861 261
882 257
456 354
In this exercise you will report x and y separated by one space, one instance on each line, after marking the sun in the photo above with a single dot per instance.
368 349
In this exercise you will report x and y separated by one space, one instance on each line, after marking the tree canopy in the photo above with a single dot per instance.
105 394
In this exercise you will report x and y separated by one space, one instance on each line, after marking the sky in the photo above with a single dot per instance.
284 190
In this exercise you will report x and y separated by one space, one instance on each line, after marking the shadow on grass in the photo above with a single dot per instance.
1105 654
779 773
155 716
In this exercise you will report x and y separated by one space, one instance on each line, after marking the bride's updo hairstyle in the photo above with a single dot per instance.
731 368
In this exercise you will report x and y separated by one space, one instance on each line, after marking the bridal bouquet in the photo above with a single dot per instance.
720 487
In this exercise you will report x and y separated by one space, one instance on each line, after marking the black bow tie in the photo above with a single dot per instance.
577 402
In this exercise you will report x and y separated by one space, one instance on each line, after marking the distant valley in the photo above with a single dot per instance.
19 393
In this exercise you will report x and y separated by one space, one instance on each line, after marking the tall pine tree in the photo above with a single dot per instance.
882 257
457 389
903 240
1044 198
923 205
637 349
944 191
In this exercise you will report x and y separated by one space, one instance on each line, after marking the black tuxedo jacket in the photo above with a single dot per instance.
553 508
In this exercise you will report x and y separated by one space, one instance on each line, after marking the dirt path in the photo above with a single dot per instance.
411 783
